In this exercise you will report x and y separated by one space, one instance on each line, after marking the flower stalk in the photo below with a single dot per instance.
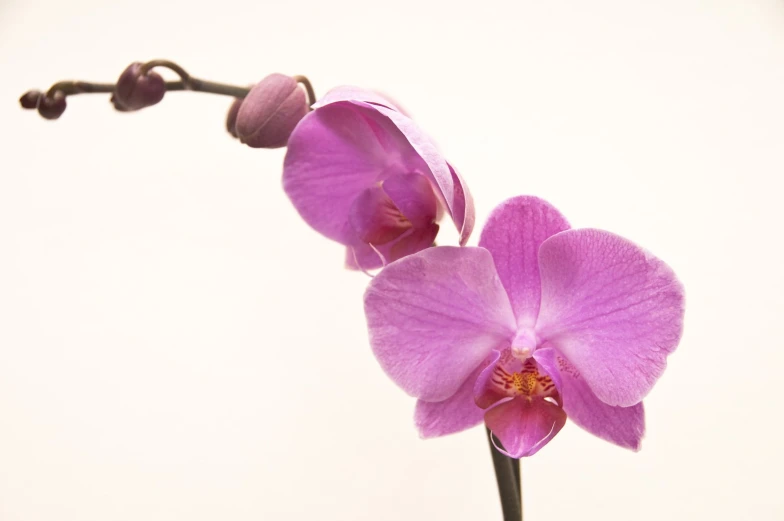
57 93
195 84
507 475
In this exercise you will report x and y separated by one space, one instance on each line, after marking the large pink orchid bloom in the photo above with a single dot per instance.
362 173
539 323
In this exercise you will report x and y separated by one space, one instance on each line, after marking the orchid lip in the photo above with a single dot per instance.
522 404
509 377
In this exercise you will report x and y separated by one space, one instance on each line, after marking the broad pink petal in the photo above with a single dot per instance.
413 195
523 425
375 217
456 413
464 214
624 426
614 310
335 153
434 316
513 233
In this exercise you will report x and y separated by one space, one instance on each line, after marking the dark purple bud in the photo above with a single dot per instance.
30 99
135 91
231 116
52 107
271 110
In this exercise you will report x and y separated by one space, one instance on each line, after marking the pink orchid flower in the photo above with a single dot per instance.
539 323
362 173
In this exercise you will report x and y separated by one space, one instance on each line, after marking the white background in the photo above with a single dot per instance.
176 344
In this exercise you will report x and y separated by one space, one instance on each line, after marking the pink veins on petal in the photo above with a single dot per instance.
539 323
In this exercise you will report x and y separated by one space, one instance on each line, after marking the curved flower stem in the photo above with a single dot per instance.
508 483
69 88
195 84
308 88
186 82
31 99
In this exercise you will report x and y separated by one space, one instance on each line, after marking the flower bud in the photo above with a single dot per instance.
270 111
52 107
116 104
136 91
30 99
231 116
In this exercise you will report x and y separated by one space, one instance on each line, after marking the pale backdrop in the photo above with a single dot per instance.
175 344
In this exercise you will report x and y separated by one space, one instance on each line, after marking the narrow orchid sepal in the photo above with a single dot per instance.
513 233
623 426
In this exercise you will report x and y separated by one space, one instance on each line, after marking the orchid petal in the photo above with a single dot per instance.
434 316
366 257
416 240
413 195
351 93
624 426
486 391
513 233
334 154
614 310
375 217
464 214
524 425
456 413
437 168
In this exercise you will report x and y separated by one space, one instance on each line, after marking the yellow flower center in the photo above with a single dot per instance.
527 382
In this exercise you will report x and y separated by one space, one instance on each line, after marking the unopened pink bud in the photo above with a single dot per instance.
270 111
136 91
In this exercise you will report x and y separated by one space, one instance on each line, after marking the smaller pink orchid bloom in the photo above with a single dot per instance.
539 323
362 173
